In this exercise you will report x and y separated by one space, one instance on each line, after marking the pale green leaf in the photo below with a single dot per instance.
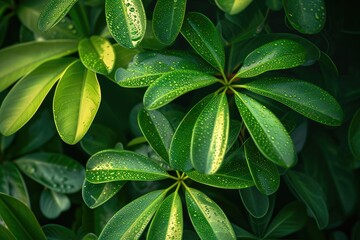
233 7
52 204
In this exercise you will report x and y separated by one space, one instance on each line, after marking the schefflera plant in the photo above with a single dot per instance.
201 139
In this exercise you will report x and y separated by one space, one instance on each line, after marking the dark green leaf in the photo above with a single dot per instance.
241 233
208 219
115 165
355 233
131 220
19 219
259 225
174 84
95 195
55 171
98 138
305 16
58 232
264 173
6 234
232 7
256 203
266 130
52 204
354 135
310 192
303 97
77 95
274 5
168 17
168 220
20 59
53 12
278 54
202 35
25 98
90 236
126 21
234 132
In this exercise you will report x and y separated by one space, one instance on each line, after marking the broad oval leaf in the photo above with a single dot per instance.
57 232
174 84
95 195
52 204
303 97
115 165
256 203
20 59
268 133
203 36
208 219
55 171
210 135
354 135
168 17
126 21
77 95
232 7
25 98
305 16
180 158
131 220
157 130
278 54
53 12
19 219
168 220
308 191
264 173
97 54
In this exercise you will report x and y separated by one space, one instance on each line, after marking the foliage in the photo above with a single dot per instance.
156 119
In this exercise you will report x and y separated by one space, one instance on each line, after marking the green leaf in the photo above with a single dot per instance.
174 84
168 17
168 220
115 165
90 236
19 219
208 219
25 98
95 195
255 202
20 59
52 204
6 234
58 232
275 5
289 220
97 54
232 7
242 233
354 135
278 54
234 132
268 133
210 135
180 158
53 12
309 192
305 16
126 21
131 220
54 171
148 66
263 172
98 138
77 95
203 36
157 130
303 97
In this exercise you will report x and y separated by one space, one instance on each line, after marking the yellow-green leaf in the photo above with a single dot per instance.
232 7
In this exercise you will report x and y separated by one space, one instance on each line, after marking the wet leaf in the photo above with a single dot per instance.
119 165
354 135
255 202
52 204
232 7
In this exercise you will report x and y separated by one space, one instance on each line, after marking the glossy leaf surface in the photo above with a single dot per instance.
202 35
354 135
279 54
168 17
168 220
97 54
268 133
126 21
19 219
232 7
52 204
303 97
131 220
20 59
78 95
208 219
256 203
114 165
210 135
54 171
174 84
25 98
